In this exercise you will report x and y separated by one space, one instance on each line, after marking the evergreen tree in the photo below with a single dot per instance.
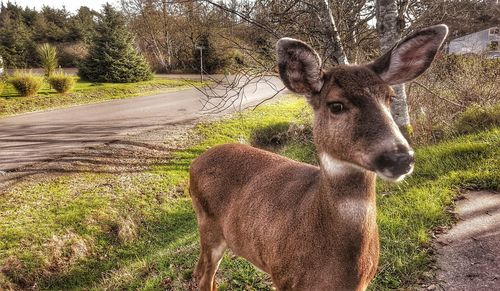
16 44
82 25
112 56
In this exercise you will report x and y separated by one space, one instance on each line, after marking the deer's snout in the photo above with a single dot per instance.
393 165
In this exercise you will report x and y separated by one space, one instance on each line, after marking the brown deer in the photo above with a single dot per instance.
312 228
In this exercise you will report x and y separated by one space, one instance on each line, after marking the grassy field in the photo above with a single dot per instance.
138 230
83 93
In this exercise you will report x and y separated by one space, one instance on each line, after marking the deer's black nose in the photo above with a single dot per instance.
395 163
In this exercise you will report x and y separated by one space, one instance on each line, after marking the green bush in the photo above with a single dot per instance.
274 135
452 85
476 119
277 135
61 82
26 84
2 85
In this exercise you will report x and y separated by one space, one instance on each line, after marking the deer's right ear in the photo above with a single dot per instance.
299 66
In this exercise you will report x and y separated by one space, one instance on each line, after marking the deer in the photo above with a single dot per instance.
309 227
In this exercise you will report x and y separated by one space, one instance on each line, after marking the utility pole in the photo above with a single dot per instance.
201 48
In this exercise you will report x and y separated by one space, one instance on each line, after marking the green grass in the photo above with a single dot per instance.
138 230
11 103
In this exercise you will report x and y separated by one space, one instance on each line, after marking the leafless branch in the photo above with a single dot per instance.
438 96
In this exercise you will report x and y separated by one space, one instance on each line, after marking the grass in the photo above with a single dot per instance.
11 103
138 230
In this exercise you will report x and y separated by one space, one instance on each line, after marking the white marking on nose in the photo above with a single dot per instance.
399 138
334 166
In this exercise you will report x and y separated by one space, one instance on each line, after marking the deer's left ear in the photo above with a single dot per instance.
411 56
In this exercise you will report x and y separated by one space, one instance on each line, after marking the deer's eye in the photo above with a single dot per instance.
390 98
336 107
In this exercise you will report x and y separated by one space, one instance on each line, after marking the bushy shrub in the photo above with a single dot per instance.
273 135
451 86
476 119
26 84
279 134
61 82
213 59
2 85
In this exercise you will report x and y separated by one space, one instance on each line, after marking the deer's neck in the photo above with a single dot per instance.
348 192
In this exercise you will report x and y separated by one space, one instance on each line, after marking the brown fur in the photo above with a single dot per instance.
299 237
310 228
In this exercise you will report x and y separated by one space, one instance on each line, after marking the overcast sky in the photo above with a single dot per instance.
71 5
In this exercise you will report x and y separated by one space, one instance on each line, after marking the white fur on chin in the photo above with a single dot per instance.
387 176
335 167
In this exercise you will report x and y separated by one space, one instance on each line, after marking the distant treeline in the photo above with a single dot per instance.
23 29
233 35
168 39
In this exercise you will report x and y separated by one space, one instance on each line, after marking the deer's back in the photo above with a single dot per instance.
226 173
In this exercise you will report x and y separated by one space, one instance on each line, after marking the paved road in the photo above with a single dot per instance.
41 136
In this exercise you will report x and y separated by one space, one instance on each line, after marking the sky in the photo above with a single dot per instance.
71 5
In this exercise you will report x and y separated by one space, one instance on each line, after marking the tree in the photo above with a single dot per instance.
48 58
390 26
16 43
336 28
112 56
51 25
82 25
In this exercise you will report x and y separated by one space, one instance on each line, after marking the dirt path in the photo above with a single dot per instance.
468 255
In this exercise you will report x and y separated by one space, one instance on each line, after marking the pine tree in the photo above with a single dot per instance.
112 56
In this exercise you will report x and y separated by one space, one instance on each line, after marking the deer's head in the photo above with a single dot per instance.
353 126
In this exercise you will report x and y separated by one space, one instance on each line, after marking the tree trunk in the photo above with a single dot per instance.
335 49
390 22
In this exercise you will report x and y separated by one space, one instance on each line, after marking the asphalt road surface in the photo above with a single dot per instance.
41 136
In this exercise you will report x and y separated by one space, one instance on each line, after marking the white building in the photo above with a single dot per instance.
482 42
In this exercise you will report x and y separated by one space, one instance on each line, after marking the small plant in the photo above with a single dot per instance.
61 82
2 85
48 58
26 84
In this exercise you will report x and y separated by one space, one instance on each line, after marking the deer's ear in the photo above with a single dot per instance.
411 56
299 66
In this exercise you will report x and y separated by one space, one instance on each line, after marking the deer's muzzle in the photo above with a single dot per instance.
396 164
